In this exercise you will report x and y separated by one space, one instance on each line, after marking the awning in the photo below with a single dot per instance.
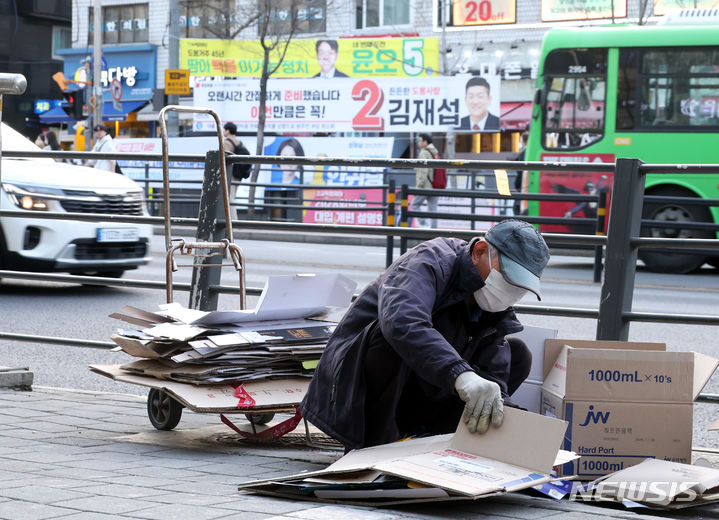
110 114
55 115
515 115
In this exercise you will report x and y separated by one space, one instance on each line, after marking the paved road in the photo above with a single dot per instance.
75 311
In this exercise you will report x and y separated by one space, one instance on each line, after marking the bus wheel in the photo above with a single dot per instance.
661 261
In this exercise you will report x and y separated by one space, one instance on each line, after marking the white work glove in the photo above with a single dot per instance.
483 401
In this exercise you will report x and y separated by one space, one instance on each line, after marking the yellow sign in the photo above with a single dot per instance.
502 182
353 57
622 141
177 82
483 12
568 10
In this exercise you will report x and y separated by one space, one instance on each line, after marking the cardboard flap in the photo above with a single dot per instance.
552 347
704 367
511 444
556 379
629 375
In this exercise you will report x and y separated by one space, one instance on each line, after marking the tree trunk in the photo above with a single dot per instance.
260 131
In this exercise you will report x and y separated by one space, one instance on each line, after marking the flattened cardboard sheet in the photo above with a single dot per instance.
463 465
659 484
268 395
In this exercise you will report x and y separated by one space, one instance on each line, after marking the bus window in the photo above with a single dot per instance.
575 91
674 89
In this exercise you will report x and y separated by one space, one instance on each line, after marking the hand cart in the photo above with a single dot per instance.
166 399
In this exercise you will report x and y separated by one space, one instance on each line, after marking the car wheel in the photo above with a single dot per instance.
665 262
164 412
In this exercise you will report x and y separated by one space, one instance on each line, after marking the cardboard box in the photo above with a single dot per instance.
624 406
528 395
443 467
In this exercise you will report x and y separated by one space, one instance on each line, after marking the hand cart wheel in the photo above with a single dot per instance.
260 418
164 412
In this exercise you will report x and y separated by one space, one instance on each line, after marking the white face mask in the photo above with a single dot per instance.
497 294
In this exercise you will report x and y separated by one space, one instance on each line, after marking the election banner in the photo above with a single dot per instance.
462 102
346 57
568 10
191 172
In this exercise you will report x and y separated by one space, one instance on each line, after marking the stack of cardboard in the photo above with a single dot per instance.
283 337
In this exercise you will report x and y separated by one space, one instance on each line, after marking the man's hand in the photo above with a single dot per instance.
483 401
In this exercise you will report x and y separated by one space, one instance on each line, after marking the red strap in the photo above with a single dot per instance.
270 434
245 399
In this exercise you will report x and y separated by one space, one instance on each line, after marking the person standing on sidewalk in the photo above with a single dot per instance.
424 178
103 143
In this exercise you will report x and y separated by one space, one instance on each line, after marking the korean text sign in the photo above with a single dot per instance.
344 104
355 57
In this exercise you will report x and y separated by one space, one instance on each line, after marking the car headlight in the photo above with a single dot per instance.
31 198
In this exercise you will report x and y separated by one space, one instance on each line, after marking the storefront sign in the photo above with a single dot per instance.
134 66
348 104
567 10
177 82
352 57
483 12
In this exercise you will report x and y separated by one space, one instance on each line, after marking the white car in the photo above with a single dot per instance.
32 186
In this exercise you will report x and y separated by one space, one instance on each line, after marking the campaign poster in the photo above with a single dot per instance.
323 58
352 207
464 103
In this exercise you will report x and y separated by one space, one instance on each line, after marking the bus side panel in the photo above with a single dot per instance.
577 183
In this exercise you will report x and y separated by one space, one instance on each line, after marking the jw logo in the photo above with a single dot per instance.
595 417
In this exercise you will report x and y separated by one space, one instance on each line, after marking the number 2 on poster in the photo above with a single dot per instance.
367 118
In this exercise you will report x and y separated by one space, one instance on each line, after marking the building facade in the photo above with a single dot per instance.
33 31
501 37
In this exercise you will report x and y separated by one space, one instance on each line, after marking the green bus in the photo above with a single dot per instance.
646 92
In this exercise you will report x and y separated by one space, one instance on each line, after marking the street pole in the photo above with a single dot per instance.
97 67
173 122
9 84
451 136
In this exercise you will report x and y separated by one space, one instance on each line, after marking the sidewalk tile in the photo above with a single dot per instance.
41 494
16 509
165 511
105 504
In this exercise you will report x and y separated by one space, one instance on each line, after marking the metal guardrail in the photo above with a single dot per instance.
614 313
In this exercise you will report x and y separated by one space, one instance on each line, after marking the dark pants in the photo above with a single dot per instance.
399 403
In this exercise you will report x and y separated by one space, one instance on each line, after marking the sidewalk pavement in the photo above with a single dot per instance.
87 455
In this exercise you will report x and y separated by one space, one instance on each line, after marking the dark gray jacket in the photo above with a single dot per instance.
418 307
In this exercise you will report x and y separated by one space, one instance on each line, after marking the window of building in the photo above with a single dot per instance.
123 23
307 16
61 39
212 19
379 13
660 89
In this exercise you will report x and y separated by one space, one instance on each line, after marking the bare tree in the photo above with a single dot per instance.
277 26
278 22
216 18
